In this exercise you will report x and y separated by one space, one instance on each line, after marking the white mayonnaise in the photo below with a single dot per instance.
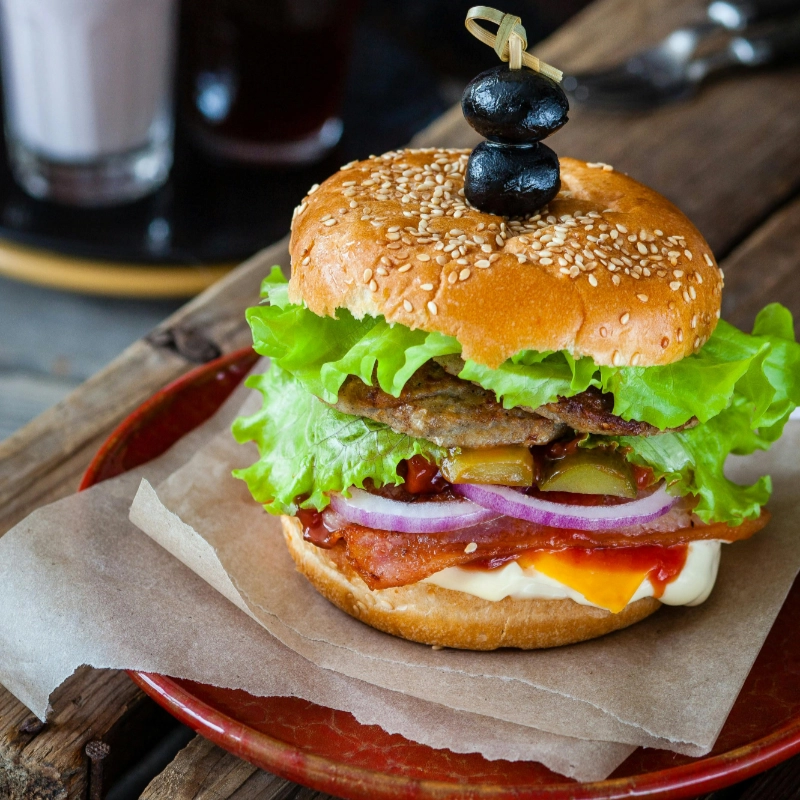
692 586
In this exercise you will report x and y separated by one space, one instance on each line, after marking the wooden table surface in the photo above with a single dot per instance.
729 158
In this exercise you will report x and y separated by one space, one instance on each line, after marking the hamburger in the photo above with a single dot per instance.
483 431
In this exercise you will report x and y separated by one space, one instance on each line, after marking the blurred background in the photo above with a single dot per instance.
115 227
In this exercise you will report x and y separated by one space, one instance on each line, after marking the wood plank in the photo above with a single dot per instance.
728 158
45 459
203 771
48 761
765 266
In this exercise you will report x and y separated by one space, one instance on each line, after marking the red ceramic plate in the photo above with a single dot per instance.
330 751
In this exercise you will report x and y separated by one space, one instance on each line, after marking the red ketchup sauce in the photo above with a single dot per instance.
421 476
664 563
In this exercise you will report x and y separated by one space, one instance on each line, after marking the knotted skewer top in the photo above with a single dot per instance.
510 40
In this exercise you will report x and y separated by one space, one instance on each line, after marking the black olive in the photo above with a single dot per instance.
511 180
514 105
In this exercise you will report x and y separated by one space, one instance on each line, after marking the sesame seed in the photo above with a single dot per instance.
500 241
546 261
478 239
452 277
486 248
462 261
698 277
306 260
665 343
392 237
708 259
693 323
679 334
624 318
675 285
642 248
643 297
313 188
464 274
432 308
621 228
615 280
428 287
686 296
657 232
329 222
404 268
441 260
423 257
367 275
471 547
373 286
688 254
696 342
616 358
678 273
635 359
483 263
592 280
381 271
603 332
407 306
692 293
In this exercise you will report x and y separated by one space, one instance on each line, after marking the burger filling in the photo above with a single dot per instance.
546 476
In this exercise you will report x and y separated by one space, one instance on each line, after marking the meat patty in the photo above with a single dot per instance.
447 411
587 412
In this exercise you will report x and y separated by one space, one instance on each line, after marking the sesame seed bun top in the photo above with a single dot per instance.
610 269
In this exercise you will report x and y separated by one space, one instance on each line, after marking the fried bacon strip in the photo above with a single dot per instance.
386 559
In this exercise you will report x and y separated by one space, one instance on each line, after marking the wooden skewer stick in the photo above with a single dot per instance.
510 40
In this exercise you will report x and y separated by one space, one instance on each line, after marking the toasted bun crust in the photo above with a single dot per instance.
610 269
445 618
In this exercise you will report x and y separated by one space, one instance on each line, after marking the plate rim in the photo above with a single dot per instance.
705 774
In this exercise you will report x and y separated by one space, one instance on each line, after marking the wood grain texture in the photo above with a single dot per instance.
203 771
44 460
765 267
47 761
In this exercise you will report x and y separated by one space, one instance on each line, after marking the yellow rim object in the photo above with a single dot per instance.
89 276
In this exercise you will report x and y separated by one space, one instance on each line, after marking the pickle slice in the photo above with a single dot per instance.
590 472
507 466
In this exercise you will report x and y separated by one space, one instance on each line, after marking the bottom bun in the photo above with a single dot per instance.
432 615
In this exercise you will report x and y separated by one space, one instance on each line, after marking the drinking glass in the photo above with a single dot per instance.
88 97
262 80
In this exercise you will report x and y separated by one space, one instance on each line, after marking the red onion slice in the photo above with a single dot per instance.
512 503
374 511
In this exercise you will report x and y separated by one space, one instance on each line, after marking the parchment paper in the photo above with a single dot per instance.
79 584
669 681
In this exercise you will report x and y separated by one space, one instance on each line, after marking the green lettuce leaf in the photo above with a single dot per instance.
307 448
692 462
532 379
322 351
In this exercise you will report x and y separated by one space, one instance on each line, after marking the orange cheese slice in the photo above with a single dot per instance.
604 578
